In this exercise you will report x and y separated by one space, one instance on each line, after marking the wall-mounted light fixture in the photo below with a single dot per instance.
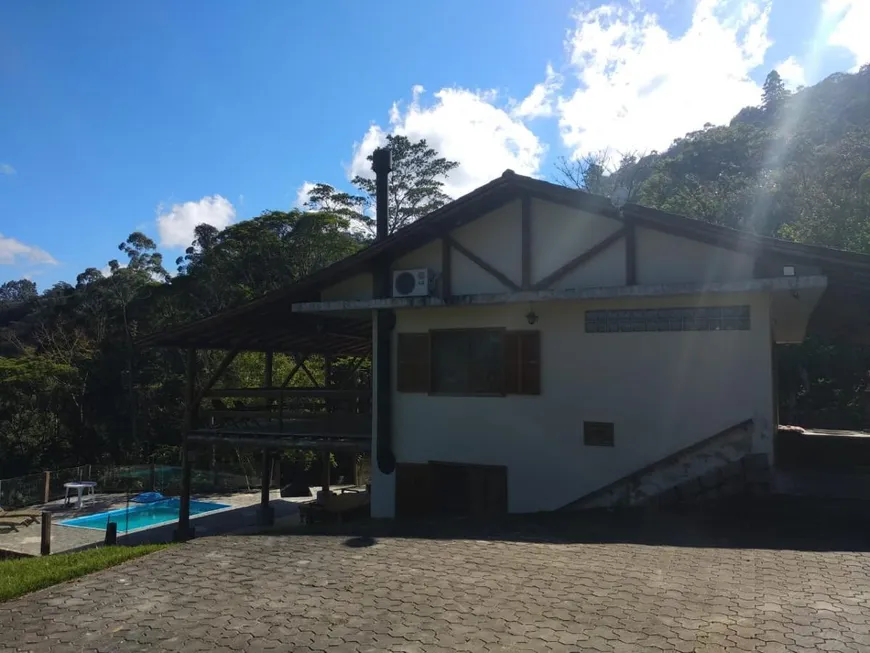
531 316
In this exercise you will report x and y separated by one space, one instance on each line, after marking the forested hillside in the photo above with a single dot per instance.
74 388
796 167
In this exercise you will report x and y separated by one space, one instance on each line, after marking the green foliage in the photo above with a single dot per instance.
416 187
21 290
73 387
416 182
774 93
794 167
23 575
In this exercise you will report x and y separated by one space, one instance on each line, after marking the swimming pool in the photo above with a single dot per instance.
141 515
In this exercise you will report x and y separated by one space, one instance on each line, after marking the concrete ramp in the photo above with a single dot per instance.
719 466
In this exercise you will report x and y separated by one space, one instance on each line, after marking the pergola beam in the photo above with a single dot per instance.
361 444
209 384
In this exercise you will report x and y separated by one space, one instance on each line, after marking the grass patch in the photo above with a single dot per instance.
23 575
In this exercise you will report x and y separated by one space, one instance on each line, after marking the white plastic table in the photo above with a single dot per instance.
80 486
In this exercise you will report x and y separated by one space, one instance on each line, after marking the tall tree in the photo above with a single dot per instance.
327 199
416 187
416 183
603 172
21 290
774 93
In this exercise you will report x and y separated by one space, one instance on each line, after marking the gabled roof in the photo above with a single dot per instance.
246 324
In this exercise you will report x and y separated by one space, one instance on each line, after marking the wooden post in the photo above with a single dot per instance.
267 371
183 532
111 534
46 488
446 270
324 472
45 536
276 471
267 516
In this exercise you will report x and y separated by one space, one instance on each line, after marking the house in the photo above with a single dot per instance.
535 346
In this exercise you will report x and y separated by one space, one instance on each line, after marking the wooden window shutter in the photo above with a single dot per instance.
530 363
511 363
522 357
412 363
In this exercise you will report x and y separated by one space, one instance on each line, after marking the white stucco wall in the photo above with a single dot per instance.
663 391
560 233
497 239
428 256
663 258
357 287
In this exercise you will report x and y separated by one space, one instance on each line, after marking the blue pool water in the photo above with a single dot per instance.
141 515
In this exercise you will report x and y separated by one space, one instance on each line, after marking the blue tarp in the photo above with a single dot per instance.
148 497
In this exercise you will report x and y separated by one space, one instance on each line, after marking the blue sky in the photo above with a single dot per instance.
117 116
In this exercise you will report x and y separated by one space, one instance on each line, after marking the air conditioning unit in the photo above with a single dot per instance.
411 283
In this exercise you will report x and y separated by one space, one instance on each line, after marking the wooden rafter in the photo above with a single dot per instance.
446 269
276 393
474 258
292 374
577 261
310 375
526 229
630 253
221 368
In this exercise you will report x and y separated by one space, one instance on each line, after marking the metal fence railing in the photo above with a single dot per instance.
35 489
21 490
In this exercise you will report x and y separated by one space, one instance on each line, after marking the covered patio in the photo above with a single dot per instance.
327 410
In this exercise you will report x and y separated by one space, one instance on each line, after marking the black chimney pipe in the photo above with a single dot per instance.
382 164
385 319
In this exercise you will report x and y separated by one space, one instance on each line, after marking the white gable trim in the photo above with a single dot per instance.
816 282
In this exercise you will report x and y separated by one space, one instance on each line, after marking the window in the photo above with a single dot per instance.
598 434
712 318
468 362
482 362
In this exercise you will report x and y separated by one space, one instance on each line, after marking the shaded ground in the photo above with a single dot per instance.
599 582
243 515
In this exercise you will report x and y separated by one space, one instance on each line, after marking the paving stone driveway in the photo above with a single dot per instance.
322 593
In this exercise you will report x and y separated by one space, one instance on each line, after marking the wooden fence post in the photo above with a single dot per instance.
46 490
45 536
111 534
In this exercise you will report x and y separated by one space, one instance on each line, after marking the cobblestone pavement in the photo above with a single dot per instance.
332 593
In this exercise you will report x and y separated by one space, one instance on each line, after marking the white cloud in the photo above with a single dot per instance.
176 225
639 87
6 169
540 102
792 73
302 194
462 125
847 22
14 251
106 270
